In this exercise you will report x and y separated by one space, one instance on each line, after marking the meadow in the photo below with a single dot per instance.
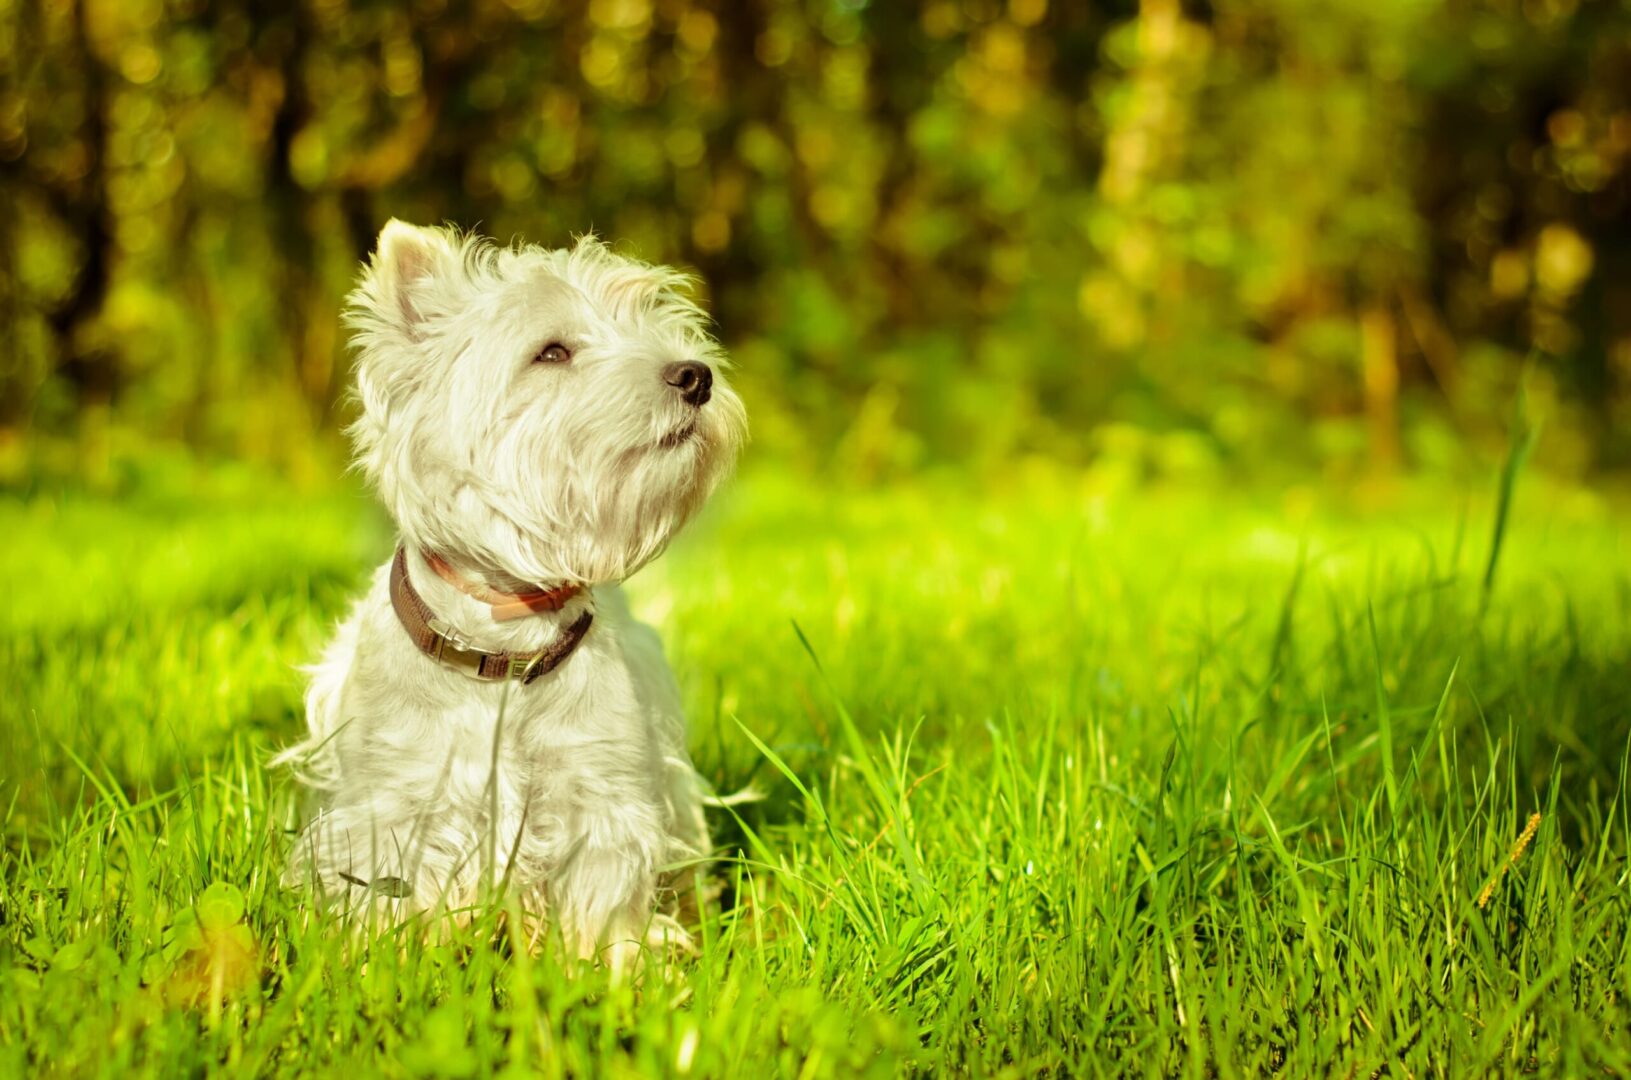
1059 777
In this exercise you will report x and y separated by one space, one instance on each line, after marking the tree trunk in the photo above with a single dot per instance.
1379 362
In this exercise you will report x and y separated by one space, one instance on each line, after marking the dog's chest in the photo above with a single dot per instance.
585 715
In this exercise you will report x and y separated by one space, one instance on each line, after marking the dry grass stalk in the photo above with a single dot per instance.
1527 835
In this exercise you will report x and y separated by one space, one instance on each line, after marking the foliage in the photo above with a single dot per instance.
1068 782
1294 230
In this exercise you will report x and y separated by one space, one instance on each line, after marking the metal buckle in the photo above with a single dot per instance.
445 631
453 649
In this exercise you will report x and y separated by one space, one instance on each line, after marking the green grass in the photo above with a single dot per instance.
1057 782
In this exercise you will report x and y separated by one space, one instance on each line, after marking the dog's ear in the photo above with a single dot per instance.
406 259
411 277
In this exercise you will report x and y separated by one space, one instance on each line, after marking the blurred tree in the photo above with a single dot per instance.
66 182
960 229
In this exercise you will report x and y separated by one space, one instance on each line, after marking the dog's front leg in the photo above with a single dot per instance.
604 891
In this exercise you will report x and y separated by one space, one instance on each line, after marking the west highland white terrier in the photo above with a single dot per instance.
540 423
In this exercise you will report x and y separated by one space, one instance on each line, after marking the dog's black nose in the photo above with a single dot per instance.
693 379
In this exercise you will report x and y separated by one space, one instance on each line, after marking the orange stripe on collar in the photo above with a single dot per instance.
506 606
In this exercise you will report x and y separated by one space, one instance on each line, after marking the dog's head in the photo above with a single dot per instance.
556 415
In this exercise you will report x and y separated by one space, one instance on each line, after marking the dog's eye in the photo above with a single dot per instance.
553 353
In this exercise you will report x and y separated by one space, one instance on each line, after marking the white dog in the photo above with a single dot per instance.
540 424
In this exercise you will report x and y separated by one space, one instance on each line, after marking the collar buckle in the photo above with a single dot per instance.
444 630
454 649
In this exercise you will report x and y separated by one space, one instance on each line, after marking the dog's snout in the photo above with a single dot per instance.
692 379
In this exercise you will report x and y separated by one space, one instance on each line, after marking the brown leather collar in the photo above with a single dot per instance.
437 640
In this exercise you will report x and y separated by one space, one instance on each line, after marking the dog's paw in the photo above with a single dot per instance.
634 952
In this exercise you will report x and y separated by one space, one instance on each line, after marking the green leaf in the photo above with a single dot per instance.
72 955
219 906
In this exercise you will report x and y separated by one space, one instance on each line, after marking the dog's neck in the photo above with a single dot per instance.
491 610
508 599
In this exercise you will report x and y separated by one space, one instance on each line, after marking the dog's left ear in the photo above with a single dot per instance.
406 259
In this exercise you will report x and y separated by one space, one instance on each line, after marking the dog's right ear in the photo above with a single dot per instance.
406 260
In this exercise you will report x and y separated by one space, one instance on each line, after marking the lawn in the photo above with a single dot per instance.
1059 778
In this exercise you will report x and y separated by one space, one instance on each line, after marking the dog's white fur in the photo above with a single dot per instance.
576 791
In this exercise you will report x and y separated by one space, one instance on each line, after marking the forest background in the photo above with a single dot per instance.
1172 238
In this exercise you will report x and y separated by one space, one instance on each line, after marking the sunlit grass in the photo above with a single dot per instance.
1057 781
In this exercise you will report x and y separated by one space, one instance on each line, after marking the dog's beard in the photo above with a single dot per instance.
678 436
592 514
650 491
653 492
